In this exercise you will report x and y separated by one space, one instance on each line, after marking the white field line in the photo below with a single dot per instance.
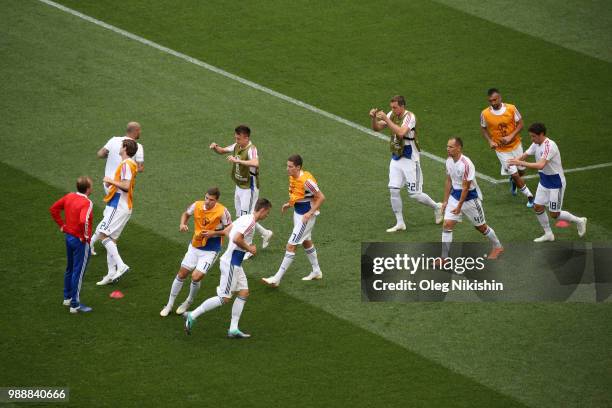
269 91
239 79
585 168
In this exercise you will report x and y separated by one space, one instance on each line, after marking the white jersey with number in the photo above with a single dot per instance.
549 151
244 225
114 158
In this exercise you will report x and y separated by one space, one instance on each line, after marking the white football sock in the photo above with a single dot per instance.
237 308
193 291
543 219
177 285
112 249
490 234
525 191
447 238
311 253
110 262
396 205
206 306
568 216
423 199
287 260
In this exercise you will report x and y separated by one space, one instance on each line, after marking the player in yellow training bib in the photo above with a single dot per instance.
305 197
501 124
211 221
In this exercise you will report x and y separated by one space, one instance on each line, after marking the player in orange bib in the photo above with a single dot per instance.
211 222
119 203
305 197
501 124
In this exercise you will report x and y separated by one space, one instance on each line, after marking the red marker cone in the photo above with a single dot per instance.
117 294
562 224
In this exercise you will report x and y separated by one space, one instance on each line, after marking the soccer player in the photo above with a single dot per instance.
552 181
211 222
110 152
306 198
232 278
462 196
404 168
77 226
245 173
501 124
118 210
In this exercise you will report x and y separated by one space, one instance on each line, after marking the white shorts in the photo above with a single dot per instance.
504 156
550 197
115 219
472 209
232 279
198 259
406 172
245 200
300 231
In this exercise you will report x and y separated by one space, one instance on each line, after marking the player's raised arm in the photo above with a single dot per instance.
220 150
400 131
377 124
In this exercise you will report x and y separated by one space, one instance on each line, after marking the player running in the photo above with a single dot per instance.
232 278
463 196
306 198
501 124
211 221
552 182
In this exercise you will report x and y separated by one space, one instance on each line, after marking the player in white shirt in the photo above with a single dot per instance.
404 168
110 152
552 182
462 196
245 174
233 278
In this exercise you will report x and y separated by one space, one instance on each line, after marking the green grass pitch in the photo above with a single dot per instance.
68 85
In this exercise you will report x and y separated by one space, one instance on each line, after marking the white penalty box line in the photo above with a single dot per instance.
269 91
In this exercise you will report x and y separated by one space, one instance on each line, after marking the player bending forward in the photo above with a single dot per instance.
552 182
305 197
462 196
233 278
211 221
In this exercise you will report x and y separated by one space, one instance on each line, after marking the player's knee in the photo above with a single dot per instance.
226 300
307 244
555 214
539 209
448 226
291 248
482 228
244 294
197 275
183 273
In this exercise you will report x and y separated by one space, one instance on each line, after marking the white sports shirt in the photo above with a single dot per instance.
244 225
460 170
548 150
114 159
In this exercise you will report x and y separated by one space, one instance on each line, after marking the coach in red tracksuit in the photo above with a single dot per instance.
78 214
